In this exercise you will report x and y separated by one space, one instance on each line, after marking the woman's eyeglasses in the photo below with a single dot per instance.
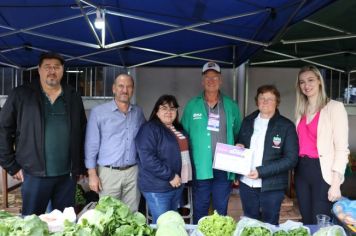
168 109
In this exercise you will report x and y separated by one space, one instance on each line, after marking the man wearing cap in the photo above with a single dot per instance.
209 118
110 151
42 128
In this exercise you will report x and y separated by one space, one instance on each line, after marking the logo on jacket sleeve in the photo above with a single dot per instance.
276 141
197 116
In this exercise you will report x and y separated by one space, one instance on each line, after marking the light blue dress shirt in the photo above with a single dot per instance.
110 135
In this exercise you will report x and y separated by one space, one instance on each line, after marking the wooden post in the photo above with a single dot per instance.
4 191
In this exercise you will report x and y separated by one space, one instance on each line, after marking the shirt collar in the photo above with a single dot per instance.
114 106
44 94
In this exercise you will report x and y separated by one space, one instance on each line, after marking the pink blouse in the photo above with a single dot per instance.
307 134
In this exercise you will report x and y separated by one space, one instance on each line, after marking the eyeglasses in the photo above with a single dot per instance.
263 99
50 68
168 109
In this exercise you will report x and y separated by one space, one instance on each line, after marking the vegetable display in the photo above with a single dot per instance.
300 231
280 233
334 230
17 226
4 214
110 217
171 223
255 231
217 225
252 227
170 217
113 217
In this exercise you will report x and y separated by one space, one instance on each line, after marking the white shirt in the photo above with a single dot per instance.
257 147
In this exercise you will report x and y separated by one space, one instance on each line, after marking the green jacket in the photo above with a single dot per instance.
195 121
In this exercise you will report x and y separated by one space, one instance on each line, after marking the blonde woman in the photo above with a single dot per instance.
322 127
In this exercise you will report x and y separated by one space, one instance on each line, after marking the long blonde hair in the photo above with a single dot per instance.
302 100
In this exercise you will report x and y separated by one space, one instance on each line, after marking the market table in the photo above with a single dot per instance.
190 228
313 228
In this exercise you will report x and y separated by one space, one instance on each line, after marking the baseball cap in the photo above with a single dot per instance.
211 66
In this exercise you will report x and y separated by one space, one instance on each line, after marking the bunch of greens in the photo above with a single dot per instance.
217 225
300 231
171 223
170 217
111 217
280 233
334 230
16 226
4 214
72 229
256 231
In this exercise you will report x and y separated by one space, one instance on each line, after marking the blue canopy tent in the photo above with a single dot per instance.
145 32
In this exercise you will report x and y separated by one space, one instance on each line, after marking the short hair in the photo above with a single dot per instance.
51 55
124 74
268 88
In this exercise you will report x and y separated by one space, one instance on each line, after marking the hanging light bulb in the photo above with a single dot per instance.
99 22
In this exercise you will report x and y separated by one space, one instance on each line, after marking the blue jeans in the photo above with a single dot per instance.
159 203
259 205
218 189
38 191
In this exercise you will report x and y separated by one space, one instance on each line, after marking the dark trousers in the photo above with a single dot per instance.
218 189
259 205
312 190
38 191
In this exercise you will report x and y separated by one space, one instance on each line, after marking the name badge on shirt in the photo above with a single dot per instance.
213 122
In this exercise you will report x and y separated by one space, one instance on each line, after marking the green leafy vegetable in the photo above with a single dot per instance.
110 217
16 226
332 230
280 233
256 231
170 217
171 223
171 230
301 231
217 225
4 214
119 220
